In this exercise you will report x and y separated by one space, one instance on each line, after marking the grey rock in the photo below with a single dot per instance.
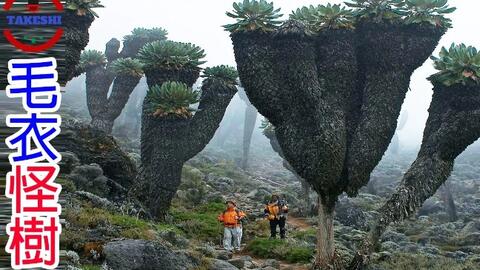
90 178
240 262
207 250
175 239
221 265
271 263
145 255
96 201
72 258
223 255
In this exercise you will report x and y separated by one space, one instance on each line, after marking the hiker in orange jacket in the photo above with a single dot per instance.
276 212
232 222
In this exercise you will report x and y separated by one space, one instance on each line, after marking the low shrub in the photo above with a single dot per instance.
289 251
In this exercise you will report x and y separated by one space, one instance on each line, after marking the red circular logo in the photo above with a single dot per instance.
33 7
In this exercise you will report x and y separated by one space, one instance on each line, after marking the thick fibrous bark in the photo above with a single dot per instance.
388 55
105 109
337 71
97 84
334 98
325 236
305 186
158 76
123 86
253 52
453 124
313 136
168 142
76 39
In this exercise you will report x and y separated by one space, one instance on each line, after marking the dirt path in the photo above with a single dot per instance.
294 224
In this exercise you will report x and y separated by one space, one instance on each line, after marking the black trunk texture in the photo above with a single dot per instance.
123 87
313 136
453 124
97 85
168 142
337 71
158 76
105 109
76 39
388 55
255 64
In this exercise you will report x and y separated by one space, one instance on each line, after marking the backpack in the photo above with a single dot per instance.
242 221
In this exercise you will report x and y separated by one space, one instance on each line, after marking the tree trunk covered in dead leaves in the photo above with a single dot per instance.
453 124
388 55
76 39
168 142
334 98
270 134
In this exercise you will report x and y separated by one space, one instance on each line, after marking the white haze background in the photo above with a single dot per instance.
200 22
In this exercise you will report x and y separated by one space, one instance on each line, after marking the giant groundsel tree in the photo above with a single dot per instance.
172 132
269 132
453 124
78 18
332 81
119 70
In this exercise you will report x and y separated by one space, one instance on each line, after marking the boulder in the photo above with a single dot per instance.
94 146
90 178
221 265
241 262
223 255
175 239
271 263
145 255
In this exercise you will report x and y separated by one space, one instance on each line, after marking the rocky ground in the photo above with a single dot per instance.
103 232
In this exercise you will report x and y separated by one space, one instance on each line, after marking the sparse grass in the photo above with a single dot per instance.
125 226
299 255
280 249
200 222
304 234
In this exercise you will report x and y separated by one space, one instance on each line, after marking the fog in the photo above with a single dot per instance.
200 22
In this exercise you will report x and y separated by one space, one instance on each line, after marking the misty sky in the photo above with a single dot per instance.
200 22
